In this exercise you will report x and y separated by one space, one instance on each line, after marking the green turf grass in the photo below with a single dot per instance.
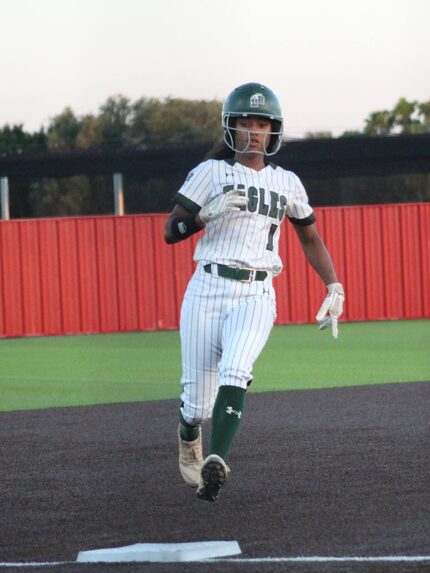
97 369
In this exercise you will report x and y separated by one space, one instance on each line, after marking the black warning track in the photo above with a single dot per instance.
334 472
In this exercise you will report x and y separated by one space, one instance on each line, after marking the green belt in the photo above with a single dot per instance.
244 275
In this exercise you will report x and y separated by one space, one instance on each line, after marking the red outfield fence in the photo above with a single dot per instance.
116 274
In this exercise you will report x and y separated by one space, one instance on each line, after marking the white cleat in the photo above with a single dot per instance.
190 459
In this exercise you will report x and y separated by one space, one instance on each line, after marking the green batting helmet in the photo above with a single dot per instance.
256 100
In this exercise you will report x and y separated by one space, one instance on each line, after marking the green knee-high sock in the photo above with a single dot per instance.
226 416
187 432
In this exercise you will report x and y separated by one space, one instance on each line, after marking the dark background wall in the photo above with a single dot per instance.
341 171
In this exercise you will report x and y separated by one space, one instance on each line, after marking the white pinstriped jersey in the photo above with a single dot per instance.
250 238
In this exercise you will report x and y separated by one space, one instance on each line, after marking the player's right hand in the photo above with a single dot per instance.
230 201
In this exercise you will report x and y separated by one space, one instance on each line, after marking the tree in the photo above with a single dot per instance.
66 196
352 133
424 115
318 134
158 123
403 116
175 122
13 139
379 123
89 134
60 197
114 120
63 131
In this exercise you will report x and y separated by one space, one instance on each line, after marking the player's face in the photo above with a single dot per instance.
252 134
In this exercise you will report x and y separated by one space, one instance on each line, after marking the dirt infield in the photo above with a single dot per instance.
340 472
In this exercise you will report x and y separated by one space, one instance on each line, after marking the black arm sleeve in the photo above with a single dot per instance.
309 220
189 205
184 227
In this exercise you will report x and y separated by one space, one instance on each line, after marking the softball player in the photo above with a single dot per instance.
229 307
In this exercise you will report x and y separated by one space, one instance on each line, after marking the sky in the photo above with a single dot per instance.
330 62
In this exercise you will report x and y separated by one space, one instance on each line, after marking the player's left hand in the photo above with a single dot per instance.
332 308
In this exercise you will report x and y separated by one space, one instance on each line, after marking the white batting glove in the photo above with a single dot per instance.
230 201
332 308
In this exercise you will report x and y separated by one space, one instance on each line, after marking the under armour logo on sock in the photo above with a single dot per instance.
229 410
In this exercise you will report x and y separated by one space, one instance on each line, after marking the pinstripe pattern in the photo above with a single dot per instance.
241 239
226 323
224 327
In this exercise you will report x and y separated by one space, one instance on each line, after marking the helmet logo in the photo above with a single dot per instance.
256 100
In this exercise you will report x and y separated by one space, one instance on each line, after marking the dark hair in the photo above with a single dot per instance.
219 151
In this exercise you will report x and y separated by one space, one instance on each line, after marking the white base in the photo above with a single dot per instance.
161 552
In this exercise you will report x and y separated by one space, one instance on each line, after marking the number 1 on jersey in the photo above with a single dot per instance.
272 231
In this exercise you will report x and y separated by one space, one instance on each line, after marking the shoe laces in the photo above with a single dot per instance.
191 453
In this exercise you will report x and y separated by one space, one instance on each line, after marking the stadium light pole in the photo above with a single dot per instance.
118 191
4 192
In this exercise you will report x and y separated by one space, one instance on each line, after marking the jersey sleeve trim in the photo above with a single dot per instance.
309 220
186 203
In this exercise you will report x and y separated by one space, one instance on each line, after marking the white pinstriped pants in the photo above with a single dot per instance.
224 326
